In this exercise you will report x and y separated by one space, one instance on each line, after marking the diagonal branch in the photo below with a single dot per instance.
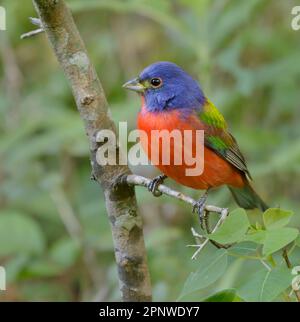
136 180
126 223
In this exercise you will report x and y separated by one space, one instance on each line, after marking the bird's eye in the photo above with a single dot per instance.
156 82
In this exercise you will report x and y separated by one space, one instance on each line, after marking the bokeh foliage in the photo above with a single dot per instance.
55 240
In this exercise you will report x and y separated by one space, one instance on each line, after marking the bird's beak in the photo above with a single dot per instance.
134 85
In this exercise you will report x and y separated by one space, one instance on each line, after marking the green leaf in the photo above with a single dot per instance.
19 234
258 226
209 270
65 252
233 229
45 291
161 236
243 249
276 218
15 266
223 296
42 268
273 239
278 238
297 241
256 236
265 286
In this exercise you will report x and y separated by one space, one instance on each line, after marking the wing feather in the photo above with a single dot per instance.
218 138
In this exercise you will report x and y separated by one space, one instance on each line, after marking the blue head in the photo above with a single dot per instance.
166 86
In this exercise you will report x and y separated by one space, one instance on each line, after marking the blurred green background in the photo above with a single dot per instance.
55 241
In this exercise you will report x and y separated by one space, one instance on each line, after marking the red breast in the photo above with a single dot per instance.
216 171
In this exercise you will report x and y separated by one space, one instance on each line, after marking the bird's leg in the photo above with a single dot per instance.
199 207
152 187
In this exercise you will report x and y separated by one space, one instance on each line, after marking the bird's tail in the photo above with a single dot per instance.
247 198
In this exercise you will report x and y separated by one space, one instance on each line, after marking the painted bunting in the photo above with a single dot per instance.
172 99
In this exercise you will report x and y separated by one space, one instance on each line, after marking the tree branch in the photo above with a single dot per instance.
136 180
126 222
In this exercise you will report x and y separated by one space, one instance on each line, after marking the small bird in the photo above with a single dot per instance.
172 99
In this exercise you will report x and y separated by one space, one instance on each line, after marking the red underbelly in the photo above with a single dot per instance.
216 170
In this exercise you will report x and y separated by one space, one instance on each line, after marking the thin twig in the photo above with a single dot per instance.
73 226
36 22
32 33
66 214
265 264
224 214
286 258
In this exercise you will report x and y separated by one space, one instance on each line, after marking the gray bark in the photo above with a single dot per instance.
126 222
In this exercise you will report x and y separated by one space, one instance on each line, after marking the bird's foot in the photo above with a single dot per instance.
152 187
199 207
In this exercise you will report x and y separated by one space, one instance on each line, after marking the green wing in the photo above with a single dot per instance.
219 139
